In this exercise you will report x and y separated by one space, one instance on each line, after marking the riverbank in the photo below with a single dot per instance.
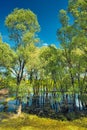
33 122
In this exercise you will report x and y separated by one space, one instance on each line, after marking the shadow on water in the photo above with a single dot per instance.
54 105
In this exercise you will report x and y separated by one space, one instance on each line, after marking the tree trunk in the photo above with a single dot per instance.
19 110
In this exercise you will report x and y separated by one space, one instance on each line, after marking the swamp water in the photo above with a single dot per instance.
57 102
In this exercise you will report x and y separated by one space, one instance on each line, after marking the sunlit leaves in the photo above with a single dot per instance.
22 25
7 55
63 17
22 20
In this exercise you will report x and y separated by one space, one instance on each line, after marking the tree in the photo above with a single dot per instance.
6 54
65 34
51 59
22 25
73 39
79 12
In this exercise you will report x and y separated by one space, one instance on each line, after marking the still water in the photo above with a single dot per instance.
57 102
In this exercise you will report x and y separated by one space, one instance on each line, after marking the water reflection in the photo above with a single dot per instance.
58 102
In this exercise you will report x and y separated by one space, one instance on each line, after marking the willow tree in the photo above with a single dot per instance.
78 9
7 56
73 39
65 34
22 26
50 58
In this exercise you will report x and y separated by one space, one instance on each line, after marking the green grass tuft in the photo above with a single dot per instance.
32 122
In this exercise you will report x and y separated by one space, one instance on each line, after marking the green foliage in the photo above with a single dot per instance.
7 55
63 17
49 56
83 97
22 25
73 39
31 122
47 68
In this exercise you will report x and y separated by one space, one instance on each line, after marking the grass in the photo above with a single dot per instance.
32 122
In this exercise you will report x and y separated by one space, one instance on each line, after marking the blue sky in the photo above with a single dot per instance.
47 14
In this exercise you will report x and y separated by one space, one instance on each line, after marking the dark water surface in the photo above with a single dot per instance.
57 102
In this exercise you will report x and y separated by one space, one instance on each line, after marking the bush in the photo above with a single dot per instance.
71 116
